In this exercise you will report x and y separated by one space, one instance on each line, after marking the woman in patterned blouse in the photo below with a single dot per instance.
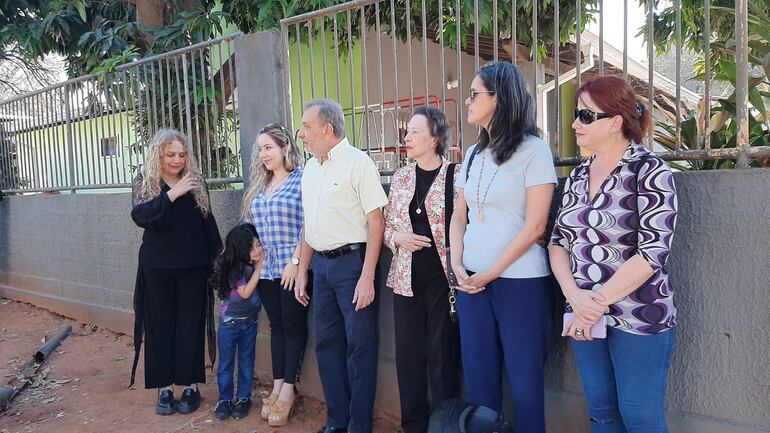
273 203
609 251
427 342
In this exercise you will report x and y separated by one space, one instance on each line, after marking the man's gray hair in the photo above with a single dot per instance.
329 111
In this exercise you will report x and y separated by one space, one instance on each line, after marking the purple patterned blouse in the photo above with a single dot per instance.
633 212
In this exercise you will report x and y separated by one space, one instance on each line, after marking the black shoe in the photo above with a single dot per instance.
166 404
223 409
241 408
327 429
190 401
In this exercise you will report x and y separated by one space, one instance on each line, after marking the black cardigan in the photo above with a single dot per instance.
176 236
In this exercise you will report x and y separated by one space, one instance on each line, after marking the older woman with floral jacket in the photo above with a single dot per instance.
427 341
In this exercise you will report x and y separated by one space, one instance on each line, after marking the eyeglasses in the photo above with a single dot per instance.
476 92
588 117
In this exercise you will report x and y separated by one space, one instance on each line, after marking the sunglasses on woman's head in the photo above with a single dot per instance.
588 117
475 93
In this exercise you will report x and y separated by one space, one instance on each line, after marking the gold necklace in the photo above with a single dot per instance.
417 192
483 200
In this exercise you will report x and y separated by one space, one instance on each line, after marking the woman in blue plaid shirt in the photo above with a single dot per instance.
273 204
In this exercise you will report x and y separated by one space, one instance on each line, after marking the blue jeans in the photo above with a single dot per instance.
239 337
507 325
624 380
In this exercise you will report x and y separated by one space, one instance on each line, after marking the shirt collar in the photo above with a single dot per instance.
338 149
634 152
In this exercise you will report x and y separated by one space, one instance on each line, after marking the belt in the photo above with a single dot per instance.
341 251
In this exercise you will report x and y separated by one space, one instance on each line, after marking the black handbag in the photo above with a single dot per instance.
449 204
455 416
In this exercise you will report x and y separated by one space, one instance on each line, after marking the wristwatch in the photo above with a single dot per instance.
295 260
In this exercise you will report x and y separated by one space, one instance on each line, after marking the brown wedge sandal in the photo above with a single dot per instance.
267 406
279 416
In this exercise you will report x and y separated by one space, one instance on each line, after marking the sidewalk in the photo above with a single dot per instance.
82 386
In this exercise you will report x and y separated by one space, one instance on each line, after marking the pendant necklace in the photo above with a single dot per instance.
417 192
482 200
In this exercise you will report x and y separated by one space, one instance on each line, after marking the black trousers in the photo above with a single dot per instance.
427 351
174 326
288 328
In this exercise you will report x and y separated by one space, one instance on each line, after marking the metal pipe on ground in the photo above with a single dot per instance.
9 391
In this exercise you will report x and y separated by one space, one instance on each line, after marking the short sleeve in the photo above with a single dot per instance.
370 192
540 169
657 205
460 178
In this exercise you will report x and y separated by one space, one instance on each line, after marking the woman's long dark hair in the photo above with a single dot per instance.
514 116
229 265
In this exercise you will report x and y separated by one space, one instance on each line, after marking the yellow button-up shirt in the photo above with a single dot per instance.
337 195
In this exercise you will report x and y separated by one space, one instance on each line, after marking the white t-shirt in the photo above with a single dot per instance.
505 206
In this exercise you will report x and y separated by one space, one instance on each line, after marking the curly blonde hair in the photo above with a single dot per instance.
151 171
261 176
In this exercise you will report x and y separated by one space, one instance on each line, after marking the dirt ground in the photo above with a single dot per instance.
82 387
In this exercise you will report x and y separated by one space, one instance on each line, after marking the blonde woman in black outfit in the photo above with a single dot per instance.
171 302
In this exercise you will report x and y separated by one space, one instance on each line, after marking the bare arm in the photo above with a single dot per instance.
364 294
305 258
247 290
456 233
629 277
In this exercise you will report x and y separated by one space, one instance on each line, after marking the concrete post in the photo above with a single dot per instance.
261 88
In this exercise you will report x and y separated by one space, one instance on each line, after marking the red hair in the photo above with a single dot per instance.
613 95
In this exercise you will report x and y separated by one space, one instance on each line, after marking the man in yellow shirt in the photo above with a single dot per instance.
342 199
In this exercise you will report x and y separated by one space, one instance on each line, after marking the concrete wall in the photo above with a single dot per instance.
76 254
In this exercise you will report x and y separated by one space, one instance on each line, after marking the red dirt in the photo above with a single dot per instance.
82 386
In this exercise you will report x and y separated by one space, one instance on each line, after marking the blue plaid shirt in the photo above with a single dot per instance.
278 221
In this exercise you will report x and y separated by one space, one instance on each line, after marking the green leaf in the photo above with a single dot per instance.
81 7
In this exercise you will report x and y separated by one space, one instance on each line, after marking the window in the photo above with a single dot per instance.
109 146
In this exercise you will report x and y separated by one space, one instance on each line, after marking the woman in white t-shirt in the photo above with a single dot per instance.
505 189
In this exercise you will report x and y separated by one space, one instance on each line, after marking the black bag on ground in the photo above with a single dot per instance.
455 416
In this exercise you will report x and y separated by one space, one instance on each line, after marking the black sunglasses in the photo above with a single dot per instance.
475 93
588 117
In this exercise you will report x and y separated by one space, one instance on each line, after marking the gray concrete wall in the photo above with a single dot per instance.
76 255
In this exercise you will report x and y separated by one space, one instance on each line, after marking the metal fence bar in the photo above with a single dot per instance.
162 92
337 57
409 53
365 80
557 88
460 88
309 25
395 73
625 39
126 144
742 81
425 51
578 33
72 116
650 62
43 137
495 33
379 74
707 69
171 96
514 35
206 121
476 33
441 53
155 98
534 50
23 108
59 152
352 76
301 70
236 168
323 53
138 114
601 37
198 140
226 133
110 125
287 77
678 24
